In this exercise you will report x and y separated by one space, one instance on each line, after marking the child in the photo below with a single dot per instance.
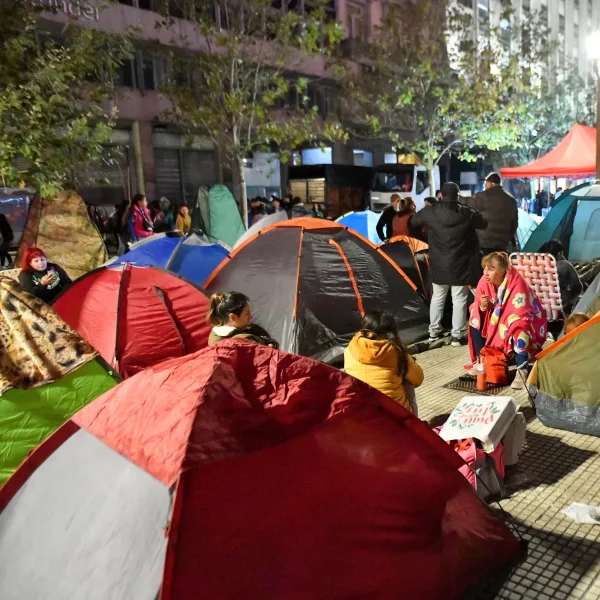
377 356
574 321
231 317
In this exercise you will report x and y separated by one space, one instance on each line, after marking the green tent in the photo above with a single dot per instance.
574 220
47 373
568 381
225 221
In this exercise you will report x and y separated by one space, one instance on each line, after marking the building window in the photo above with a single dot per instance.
145 4
544 13
483 7
467 3
561 24
127 74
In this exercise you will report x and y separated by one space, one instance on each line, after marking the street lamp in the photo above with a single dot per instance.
593 52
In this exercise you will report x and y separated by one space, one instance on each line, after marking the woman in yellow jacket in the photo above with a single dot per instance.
377 356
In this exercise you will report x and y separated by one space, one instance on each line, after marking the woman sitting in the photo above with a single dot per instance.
506 315
40 278
183 222
231 317
377 356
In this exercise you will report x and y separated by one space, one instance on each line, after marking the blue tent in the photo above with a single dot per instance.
191 256
363 222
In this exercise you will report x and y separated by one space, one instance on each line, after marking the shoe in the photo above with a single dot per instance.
433 340
456 342
519 380
472 372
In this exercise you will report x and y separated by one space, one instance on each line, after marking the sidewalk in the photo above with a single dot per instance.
556 468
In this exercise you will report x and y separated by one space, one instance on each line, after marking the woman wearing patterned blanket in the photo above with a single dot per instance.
506 315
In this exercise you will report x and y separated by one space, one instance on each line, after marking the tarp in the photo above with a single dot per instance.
62 228
225 221
568 381
574 156
260 225
275 460
309 282
136 317
189 256
47 373
363 222
589 303
574 220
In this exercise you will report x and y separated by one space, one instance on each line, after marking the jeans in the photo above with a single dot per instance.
479 342
460 297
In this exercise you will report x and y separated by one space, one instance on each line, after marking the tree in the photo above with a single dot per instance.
242 81
54 111
431 88
552 96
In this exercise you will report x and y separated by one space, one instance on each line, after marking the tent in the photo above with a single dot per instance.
61 227
310 280
525 227
47 373
190 256
575 221
225 221
568 381
589 303
574 156
262 224
412 256
363 222
136 317
264 476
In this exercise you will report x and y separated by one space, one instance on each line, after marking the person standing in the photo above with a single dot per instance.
454 259
6 237
139 222
385 225
499 209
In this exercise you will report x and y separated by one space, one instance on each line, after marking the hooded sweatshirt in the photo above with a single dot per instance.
374 360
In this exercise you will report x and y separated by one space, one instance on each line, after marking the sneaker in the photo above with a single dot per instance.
472 372
433 340
519 380
456 342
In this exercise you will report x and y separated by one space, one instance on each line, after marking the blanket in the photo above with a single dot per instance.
515 320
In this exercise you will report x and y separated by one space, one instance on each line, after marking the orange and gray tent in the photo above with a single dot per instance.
412 256
135 316
61 227
567 379
309 282
245 472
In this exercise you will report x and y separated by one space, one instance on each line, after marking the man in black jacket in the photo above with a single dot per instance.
454 259
385 227
499 209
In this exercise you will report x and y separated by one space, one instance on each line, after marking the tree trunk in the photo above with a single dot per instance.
239 182
431 173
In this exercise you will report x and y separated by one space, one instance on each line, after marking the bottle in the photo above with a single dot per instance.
481 384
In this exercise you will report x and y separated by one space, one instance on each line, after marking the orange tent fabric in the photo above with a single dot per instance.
574 155
289 478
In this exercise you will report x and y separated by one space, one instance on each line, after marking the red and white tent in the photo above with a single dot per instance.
574 156
244 472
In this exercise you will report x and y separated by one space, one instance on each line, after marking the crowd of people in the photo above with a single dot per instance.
295 208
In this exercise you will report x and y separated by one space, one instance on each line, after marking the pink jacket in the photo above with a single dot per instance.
138 222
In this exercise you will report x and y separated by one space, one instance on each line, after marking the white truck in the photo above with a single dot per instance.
405 180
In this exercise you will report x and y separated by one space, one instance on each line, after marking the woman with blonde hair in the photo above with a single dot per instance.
506 315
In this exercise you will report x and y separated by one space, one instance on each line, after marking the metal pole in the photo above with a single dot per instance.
598 125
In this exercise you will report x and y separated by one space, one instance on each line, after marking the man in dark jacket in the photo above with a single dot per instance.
385 225
453 256
499 209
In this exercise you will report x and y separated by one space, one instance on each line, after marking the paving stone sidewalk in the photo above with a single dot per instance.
556 468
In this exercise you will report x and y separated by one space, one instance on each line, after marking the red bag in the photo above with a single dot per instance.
496 365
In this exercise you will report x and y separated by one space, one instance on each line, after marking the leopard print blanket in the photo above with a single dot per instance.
36 345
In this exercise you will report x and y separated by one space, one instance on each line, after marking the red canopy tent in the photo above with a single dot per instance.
574 155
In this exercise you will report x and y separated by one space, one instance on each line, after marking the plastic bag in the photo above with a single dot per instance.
583 513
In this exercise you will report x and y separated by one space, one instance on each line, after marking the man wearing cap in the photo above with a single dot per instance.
454 258
499 209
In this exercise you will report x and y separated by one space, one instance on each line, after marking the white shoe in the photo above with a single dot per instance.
519 380
472 372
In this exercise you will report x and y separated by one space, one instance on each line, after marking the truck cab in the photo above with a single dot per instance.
405 180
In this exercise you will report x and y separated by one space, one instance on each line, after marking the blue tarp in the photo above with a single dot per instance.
363 222
191 256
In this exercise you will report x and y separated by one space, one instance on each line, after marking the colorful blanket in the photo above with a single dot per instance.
515 320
